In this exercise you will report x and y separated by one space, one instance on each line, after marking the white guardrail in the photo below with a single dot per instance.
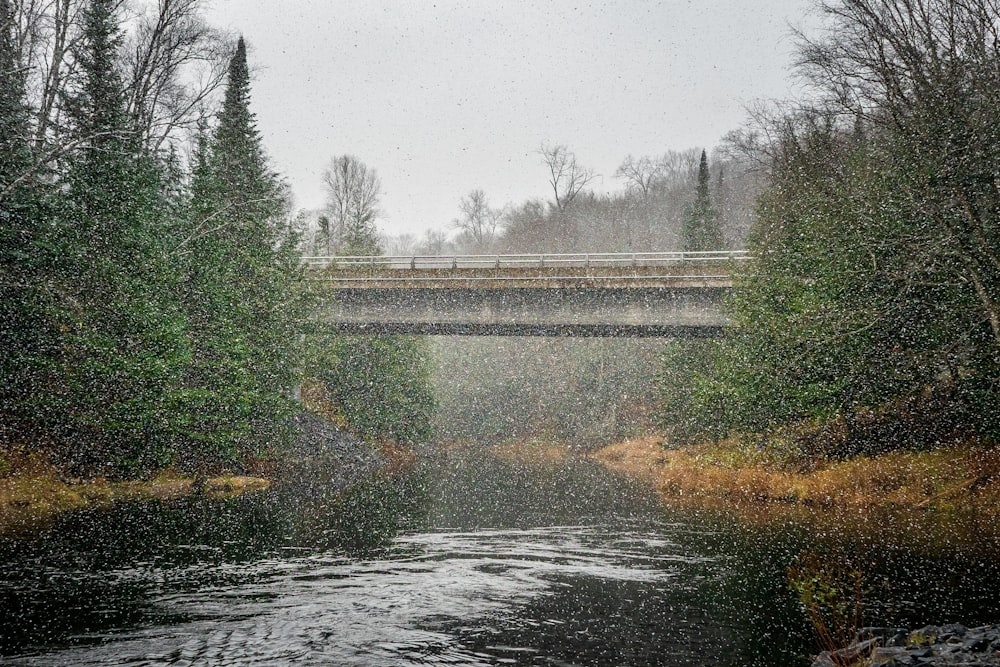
500 262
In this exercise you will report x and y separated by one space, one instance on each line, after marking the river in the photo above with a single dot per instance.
465 561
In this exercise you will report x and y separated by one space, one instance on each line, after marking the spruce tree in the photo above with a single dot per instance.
123 347
240 271
702 230
23 332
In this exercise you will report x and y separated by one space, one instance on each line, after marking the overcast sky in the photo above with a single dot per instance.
442 97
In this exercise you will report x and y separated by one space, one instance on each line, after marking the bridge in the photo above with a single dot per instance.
666 294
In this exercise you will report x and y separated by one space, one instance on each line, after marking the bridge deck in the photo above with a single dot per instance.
649 295
709 269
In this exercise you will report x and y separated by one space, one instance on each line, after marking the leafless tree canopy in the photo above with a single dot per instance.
173 64
640 174
566 177
925 74
901 55
353 191
478 220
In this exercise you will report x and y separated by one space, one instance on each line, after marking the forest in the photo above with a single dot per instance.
148 298
150 257
870 319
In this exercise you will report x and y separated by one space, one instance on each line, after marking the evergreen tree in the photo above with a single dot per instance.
241 267
702 230
123 347
23 331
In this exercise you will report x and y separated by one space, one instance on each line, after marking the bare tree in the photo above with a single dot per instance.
400 244
640 174
566 177
354 192
678 168
47 34
174 64
435 242
479 221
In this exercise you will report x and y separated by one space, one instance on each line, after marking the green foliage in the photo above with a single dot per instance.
122 343
831 592
695 405
24 334
381 384
844 310
875 273
142 322
239 288
702 229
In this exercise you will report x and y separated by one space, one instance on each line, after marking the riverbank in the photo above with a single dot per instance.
32 492
941 480
932 645
946 498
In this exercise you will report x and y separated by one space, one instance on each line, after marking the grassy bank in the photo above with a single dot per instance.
950 493
32 492
940 480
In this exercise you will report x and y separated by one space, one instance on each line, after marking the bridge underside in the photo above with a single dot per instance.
634 312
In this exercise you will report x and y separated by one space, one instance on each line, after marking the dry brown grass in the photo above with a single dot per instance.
400 458
316 398
32 493
942 479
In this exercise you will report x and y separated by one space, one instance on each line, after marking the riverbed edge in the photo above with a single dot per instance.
932 645
34 496
34 492
962 478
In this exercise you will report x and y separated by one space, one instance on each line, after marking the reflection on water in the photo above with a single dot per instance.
470 562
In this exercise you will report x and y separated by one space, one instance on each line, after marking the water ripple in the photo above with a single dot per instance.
408 608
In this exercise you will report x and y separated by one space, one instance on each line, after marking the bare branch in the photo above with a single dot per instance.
639 174
354 192
479 221
566 177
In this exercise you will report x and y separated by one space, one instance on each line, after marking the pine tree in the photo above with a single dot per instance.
702 230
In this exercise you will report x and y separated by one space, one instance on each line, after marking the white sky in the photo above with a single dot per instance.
443 96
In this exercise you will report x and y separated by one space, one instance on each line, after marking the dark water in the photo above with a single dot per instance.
466 562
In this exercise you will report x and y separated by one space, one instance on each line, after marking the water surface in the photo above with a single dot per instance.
467 561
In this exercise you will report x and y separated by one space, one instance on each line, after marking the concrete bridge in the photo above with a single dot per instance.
590 294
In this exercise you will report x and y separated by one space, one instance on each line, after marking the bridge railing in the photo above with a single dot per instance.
374 263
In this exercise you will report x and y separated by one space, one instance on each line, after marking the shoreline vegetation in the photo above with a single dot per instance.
33 492
957 485
948 496
942 479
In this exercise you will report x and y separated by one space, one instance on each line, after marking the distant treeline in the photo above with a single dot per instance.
680 200
870 318
585 392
